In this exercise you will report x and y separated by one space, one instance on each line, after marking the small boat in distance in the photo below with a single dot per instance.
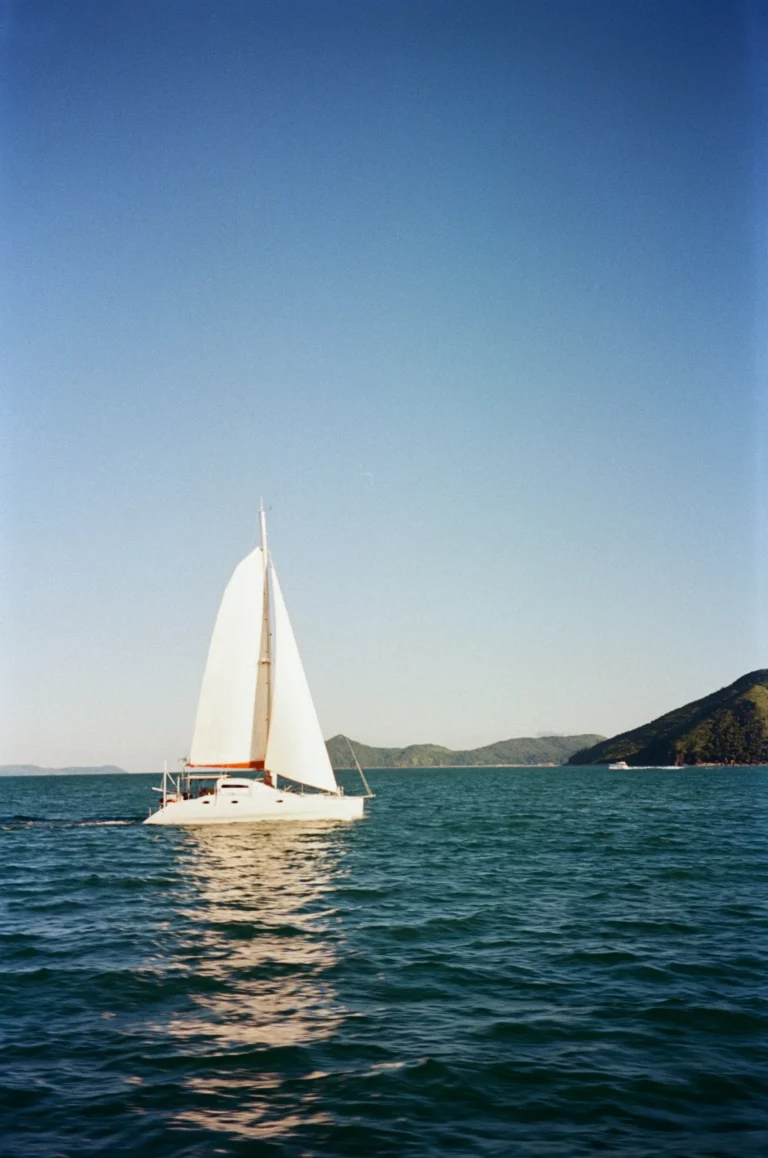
619 766
255 715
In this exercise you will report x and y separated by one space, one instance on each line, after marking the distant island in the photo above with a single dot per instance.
729 726
36 770
523 751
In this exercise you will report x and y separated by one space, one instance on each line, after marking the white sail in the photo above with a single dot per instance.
228 731
295 748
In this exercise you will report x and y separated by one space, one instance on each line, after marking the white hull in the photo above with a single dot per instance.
253 801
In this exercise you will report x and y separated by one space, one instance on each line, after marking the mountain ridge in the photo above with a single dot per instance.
729 726
522 751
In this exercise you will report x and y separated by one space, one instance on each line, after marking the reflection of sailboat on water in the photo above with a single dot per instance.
255 714
266 943
260 951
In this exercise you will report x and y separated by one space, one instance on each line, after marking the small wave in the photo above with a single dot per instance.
100 823
58 822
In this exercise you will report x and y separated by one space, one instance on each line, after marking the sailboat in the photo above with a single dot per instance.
255 715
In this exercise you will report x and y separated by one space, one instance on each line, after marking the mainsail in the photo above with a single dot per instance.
295 747
228 731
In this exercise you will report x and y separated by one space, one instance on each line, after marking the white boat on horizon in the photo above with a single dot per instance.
622 766
255 715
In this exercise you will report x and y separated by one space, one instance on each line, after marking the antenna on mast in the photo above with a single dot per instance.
263 526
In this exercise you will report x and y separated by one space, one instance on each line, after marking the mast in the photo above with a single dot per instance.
265 658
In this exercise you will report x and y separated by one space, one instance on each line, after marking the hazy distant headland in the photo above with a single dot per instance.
729 726
36 770
523 751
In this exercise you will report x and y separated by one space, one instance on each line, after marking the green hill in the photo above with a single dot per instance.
728 726
538 750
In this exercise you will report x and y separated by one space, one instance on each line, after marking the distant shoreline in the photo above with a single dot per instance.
62 772
438 767
607 767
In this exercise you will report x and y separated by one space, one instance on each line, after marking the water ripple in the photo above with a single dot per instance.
575 968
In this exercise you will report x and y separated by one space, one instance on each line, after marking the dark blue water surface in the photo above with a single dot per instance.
525 961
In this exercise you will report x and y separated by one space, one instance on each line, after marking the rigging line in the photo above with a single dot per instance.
362 774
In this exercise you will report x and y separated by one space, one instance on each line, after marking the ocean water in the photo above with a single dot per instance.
521 962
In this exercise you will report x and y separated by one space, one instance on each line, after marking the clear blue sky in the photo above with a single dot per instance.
505 258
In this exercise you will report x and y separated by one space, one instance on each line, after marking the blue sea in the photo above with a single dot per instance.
544 962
